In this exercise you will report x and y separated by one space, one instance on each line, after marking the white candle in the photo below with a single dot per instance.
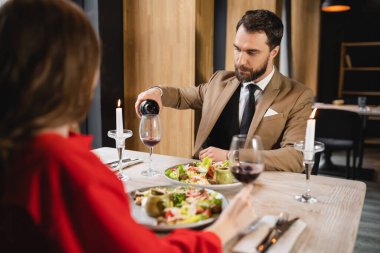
119 120
309 138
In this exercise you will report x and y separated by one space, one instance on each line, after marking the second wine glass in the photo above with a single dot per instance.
150 135
246 161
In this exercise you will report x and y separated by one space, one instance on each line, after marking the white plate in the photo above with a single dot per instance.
210 186
141 216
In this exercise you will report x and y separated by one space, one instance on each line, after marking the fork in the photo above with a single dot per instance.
282 218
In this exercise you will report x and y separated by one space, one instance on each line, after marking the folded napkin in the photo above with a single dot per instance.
249 242
270 112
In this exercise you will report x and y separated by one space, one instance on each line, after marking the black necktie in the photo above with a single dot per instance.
249 109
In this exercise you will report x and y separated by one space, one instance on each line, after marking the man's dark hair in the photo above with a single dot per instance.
263 21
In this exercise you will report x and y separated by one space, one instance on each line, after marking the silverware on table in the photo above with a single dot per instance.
115 163
282 225
125 163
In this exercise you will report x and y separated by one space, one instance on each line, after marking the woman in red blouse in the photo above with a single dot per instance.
62 195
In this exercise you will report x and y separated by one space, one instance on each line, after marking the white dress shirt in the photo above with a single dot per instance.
244 93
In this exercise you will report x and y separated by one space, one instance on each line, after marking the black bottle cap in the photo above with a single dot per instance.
149 107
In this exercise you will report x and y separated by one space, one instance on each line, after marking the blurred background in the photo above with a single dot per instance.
182 42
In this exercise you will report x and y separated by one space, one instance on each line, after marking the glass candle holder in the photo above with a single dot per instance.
308 163
120 147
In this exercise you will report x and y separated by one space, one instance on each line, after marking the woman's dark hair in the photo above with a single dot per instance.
263 21
49 56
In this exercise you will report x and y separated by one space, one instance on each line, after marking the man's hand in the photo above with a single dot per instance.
153 94
216 154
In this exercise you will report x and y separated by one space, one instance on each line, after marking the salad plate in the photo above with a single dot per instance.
200 173
199 208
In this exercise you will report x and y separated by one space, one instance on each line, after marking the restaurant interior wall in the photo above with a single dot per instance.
92 124
111 72
333 27
166 42
360 24
304 32
113 68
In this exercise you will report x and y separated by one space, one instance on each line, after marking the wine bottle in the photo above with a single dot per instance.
149 107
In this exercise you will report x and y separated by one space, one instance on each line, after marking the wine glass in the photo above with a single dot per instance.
246 161
150 135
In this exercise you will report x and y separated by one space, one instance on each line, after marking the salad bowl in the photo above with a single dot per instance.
168 221
205 173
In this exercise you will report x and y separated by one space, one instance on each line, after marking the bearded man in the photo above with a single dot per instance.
256 99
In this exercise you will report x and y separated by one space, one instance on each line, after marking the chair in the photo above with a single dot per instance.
339 130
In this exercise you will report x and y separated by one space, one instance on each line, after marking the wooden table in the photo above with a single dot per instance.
370 110
332 223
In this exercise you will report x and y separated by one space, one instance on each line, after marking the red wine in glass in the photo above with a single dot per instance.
150 142
245 157
150 135
247 172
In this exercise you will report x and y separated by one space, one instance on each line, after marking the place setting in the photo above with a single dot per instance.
160 208
193 200
268 233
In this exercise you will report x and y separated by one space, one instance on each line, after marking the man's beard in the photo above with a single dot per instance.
253 75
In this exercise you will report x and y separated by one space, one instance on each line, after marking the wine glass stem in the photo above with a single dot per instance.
150 158
308 165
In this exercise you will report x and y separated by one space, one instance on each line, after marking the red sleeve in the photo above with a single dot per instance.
98 209
81 206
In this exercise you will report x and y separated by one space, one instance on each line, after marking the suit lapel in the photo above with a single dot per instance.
223 99
266 100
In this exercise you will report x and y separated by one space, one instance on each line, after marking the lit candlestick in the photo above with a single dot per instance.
309 138
119 120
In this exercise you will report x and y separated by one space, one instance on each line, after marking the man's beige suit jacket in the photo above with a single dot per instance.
280 117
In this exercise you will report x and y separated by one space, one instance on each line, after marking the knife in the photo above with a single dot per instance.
274 234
